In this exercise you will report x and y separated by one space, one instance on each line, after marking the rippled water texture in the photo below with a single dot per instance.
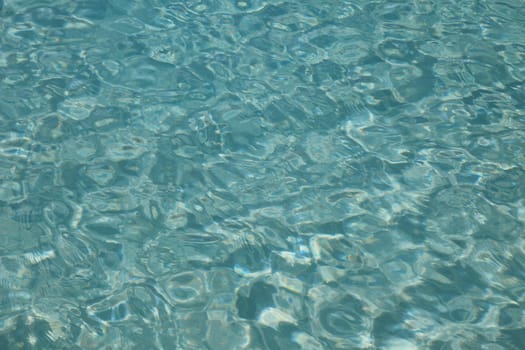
262 175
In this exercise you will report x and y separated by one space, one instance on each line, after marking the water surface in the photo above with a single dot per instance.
262 174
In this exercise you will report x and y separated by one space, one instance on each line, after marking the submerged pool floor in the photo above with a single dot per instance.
262 174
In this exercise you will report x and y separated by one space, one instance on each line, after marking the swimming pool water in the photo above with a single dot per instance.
262 174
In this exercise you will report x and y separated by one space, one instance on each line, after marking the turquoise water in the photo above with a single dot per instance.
262 174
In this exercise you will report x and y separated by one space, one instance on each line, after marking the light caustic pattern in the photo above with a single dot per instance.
262 174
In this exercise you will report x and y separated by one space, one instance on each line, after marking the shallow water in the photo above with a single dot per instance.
262 174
